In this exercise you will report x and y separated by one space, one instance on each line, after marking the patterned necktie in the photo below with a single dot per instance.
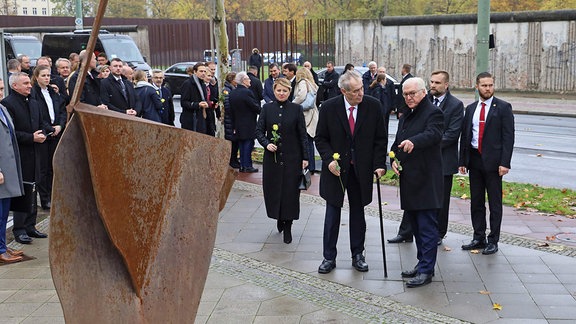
436 102
351 120
481 126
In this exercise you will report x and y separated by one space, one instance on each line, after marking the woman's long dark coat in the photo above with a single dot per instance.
280 177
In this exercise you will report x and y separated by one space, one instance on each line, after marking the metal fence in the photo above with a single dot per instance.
170 40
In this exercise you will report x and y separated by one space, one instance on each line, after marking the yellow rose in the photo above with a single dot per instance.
225 92
391 155
162 100
275 127
336 156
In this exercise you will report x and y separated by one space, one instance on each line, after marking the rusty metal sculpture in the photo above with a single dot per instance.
134 213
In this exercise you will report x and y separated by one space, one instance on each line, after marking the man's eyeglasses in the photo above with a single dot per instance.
410 94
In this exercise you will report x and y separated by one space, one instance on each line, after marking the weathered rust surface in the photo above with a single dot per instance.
133 224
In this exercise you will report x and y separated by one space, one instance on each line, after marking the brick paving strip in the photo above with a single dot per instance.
517 240
337 297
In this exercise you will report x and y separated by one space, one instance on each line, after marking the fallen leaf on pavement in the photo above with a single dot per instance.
474 251
496 306
539 155
464 196
551 238
385 203
446 248
484 292
542 244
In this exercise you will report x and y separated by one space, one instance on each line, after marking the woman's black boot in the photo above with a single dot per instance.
288 232
280 225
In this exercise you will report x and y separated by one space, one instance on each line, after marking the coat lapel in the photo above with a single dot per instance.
341 113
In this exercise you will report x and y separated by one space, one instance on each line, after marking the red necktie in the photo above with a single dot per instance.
481 126
351 120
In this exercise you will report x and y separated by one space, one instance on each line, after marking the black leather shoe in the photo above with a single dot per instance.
37 234
439 242
475 244
249 170
23 239
359 263
409 273
420 279
491 248
47 206
235 165
400 239
327 266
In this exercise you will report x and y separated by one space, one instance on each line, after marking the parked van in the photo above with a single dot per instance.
58 45
18 45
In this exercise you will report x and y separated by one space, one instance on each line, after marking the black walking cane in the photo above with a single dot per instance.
381 225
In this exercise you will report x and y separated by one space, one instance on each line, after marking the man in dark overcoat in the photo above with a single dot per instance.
351 125
487 159
418 148
30 129
245 110
453 110
117 93
194 100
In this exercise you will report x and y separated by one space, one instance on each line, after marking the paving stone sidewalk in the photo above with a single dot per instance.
255 278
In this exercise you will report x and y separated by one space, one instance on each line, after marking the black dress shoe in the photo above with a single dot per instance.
420 279
491 248
439 242
400 239
234 165
409 273
47 206
249 170
23 239
359 263
475 244
327 266
37 234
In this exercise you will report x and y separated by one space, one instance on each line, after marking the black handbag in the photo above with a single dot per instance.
26 203
305 180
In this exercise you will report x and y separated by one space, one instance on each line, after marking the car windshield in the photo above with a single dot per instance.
31 48
179 68
123 48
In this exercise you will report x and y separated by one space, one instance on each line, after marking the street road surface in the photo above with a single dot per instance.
544 150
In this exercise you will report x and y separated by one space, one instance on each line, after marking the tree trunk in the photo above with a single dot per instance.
221 35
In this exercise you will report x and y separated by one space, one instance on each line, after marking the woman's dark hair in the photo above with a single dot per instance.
348 67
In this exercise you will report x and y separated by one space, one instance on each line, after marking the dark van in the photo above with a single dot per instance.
58 45
18 45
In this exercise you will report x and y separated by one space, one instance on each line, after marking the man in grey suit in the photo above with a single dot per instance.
10 179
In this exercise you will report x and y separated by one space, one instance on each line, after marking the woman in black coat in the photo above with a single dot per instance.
284 158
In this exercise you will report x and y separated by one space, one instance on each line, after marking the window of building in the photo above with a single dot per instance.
44 11
24 10
53 11
34 11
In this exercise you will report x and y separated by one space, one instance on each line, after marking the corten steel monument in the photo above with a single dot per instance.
134 213
133 223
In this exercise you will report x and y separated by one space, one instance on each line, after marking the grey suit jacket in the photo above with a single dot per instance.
9 160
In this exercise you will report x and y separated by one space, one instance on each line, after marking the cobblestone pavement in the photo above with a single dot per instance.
255 278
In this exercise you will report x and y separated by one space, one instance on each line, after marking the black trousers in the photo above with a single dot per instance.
24 222
357 221
46 171
483 181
